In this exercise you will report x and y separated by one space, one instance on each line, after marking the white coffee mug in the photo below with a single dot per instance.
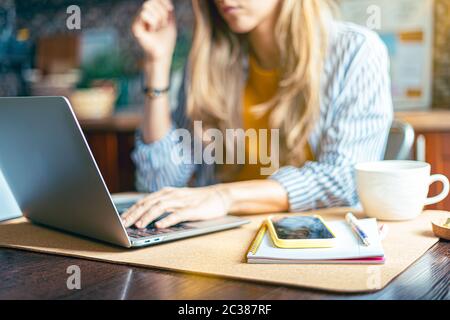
397 190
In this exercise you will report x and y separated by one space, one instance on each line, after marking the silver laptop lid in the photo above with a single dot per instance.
50 170
9 209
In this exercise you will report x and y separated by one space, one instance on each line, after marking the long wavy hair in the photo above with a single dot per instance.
217 72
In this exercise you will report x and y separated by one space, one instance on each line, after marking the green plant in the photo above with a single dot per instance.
106 66
181 51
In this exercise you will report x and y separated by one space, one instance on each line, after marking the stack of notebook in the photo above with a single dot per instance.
348 248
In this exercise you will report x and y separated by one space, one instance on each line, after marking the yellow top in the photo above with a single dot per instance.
261 86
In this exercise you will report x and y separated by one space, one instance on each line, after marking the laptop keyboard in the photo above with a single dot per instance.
152 231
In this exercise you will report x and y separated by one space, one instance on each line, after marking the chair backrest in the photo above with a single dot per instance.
400 141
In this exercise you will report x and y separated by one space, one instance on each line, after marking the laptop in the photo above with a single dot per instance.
50 170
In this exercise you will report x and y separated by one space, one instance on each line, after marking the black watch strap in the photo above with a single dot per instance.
155 92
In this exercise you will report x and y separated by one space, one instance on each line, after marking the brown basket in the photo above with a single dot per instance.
439 229
94 103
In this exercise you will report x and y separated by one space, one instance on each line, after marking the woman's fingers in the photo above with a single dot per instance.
151 197
150 19
159 13
167 4
136 214
154 212
136 211
156 14
174 218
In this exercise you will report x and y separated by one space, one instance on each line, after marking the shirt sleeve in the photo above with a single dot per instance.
159 164
361 117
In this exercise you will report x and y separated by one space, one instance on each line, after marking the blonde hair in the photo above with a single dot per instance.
214 93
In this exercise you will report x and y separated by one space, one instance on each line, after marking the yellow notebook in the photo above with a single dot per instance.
258 239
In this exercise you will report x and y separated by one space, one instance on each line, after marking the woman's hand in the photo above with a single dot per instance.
186 204
155 30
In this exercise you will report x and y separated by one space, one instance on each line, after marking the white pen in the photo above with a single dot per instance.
353 222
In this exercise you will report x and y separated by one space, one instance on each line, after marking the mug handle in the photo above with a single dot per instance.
439 178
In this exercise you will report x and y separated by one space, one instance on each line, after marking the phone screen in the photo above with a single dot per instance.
301 227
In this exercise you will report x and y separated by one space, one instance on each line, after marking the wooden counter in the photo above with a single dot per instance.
120 122
420 120
425 121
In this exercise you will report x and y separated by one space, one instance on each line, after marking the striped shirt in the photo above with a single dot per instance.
355 117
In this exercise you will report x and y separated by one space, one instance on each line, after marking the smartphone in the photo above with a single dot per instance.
300 232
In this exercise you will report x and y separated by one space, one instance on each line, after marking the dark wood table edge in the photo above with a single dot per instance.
334 295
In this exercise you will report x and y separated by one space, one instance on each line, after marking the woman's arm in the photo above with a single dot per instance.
191 204
156 119
155 30
359 119
253 197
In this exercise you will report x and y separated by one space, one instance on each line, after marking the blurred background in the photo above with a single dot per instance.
98 67
40 55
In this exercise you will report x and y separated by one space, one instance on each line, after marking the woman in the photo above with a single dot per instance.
272 64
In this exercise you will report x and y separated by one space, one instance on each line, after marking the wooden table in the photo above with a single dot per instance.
26 275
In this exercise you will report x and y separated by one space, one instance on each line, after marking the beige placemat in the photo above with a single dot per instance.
223 254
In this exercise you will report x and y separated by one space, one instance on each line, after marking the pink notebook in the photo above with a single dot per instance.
374 260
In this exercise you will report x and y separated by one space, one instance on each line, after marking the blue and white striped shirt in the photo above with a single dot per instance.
355 117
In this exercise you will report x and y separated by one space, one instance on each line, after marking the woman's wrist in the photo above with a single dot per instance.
250 197
157 73
225 195
230 195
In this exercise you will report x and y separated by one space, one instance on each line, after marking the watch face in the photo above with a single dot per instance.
301 228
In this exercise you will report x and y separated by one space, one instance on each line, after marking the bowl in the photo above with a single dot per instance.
441 228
